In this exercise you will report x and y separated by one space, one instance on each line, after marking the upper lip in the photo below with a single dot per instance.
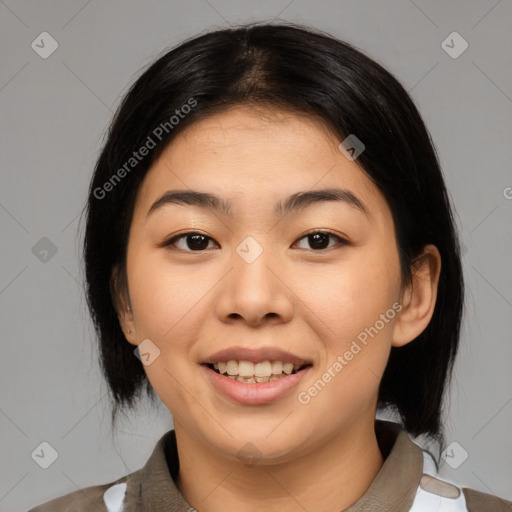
255 355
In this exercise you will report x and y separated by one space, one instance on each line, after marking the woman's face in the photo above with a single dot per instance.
248 284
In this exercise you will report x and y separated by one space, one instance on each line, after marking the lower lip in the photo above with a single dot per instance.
257 393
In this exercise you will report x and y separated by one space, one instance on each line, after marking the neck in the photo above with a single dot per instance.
330 478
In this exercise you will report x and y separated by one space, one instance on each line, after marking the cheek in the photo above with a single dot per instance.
356 342
168 309
164 296
353 307
349 297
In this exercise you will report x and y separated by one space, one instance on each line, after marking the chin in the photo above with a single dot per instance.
261 445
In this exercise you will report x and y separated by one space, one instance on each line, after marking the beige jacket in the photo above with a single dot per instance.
405 483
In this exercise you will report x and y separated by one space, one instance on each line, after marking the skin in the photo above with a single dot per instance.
322 455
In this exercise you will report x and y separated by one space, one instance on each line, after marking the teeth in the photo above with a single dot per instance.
240 378
288 368
263 369
232 367
253 380
247 371
277 367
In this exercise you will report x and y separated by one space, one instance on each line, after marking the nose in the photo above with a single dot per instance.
255 292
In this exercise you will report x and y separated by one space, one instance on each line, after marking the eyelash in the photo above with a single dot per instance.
341 241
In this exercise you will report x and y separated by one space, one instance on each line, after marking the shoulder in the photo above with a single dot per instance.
105 498
436 493
482 502
127 493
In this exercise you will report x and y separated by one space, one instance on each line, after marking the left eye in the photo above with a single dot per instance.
194 241
320 239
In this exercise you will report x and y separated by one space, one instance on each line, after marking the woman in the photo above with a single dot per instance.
270 250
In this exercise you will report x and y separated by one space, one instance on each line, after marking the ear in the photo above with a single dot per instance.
419 298
122 304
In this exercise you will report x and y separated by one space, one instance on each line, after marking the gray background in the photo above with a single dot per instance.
54 112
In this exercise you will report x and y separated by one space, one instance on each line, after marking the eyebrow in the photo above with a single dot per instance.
295 202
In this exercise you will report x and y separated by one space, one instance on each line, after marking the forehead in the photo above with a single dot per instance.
250 156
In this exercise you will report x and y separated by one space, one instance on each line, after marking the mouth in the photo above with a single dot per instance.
261 372
250 376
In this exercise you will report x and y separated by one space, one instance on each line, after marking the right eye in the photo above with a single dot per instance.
193 241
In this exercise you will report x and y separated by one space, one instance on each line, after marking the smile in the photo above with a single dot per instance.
251 373
247 386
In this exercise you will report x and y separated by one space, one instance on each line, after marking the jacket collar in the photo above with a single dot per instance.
152 488
394 488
